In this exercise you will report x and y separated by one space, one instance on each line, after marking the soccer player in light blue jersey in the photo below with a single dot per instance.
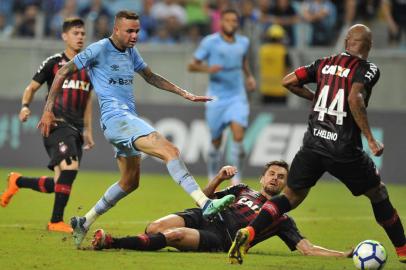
111 64
223 55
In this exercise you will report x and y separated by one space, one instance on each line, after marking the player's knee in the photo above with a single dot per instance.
69 163
154 227
176 234
378 193
130 182
171 152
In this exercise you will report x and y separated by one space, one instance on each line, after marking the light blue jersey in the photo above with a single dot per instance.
111 72
226 86
229 82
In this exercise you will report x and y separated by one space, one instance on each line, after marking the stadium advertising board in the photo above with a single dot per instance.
273 133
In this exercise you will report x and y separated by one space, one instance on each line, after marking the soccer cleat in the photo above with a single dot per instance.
101 240
12 188
79 231
239 247
213 207
59 227
401 251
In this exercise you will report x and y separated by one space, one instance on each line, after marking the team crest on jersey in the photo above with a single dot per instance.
336 70
115 67
63 147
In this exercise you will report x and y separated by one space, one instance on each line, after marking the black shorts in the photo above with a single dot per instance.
213 235
358 175
63 143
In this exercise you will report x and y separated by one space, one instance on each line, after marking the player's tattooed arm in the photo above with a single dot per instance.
48 118
162 83
356 101
56 86
291 82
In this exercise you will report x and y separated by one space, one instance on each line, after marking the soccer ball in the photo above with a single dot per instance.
369 255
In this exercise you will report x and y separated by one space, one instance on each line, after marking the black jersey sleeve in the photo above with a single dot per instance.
368 74
308 74
289 233
44 72
234 190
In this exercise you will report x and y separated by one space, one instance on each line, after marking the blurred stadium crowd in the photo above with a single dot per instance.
187 21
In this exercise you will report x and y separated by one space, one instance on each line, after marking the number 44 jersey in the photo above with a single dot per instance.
332 130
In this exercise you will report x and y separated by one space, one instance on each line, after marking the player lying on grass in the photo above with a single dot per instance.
188 230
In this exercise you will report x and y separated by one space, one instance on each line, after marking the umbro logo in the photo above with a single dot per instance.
115 67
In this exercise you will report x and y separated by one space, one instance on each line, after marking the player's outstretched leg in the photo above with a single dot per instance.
11 190
79 231
212 207
239 246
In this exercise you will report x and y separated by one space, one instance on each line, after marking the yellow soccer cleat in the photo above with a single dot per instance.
239 246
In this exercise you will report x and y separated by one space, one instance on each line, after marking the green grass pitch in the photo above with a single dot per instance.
330 217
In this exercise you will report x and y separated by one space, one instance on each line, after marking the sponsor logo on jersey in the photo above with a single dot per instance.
246 201
120 81
76 84
332 136
336 70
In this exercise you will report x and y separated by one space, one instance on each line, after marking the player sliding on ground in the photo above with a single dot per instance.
332 142
188 230
111 64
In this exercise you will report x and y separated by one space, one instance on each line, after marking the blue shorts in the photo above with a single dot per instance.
122 131
220 115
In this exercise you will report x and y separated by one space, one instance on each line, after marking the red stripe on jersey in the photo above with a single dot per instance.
272 209
318 74
74 93
301 73
57 99
65 96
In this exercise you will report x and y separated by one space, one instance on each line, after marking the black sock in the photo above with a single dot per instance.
270 211
62 193
388 218
42 184
150 242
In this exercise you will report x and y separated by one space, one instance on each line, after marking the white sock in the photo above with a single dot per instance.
91 217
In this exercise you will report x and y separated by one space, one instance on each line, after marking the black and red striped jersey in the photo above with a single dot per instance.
71 102
245 209
332 130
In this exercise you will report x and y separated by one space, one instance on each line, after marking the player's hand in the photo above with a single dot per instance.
376 147
251 83
214 69
25 113
88 140
194 98
46 122
226 172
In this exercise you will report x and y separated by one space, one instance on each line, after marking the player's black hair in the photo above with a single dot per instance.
126 14
280 163
230 10
72 22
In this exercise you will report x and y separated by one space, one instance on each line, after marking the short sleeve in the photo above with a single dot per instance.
234 190
44 72
88 56
367 74
138 62
203 51
289 233
307 74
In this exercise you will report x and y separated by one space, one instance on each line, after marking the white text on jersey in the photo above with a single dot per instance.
332 136
336 70
76 84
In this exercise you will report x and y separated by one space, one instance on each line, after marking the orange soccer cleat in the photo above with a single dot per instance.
401 251
59 227
12 188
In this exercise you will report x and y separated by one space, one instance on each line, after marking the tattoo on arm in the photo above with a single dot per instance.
359 112
160 82
56 86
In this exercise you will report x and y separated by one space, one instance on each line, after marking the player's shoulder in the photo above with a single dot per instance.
98 46
215 37
241 38
53 58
